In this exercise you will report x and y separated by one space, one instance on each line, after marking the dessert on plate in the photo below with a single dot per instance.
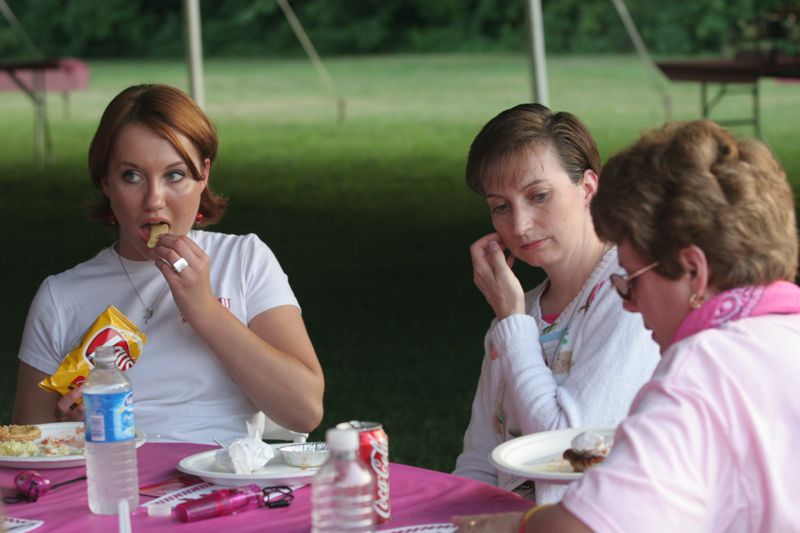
587 449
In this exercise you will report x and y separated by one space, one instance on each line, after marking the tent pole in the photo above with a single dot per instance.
538 65
313 56
20 31
644 55
194 50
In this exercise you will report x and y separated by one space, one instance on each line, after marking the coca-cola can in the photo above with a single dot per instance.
373 449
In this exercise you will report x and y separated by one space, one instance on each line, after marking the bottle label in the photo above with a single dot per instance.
109 417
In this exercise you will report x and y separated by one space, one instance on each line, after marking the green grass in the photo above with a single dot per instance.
369 216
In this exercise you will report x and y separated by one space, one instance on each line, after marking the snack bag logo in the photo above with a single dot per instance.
110 337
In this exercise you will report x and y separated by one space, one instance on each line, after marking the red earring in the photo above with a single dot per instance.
111 219
199 218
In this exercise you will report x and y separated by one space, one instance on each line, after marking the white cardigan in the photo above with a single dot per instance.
581 371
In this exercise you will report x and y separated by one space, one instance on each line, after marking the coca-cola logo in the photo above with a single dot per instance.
110 337
379 461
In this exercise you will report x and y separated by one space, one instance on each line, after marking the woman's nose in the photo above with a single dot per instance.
523 220
154 199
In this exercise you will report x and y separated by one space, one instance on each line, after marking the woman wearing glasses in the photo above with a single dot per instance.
706 225
565 354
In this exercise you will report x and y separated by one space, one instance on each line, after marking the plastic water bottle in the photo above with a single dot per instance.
343 490
111 470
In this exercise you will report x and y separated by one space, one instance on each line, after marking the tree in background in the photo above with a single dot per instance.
154 28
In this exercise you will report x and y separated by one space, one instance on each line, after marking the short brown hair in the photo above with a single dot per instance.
694 183
528 126
165 110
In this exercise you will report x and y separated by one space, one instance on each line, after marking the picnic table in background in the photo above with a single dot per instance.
744 70
35 78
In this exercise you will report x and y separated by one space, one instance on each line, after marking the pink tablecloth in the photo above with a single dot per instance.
418 496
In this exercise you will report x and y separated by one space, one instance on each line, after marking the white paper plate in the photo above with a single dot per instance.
276 472
59 430
538 456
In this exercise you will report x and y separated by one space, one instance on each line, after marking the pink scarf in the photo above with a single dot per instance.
780 297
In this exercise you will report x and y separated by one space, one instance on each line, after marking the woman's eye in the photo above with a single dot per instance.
175 175
540 197
131 176
500 208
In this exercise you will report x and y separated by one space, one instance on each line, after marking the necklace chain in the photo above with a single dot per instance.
148 310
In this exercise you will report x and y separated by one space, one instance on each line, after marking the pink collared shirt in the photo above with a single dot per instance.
712 442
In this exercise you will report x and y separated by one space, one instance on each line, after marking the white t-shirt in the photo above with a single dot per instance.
181 390
711 443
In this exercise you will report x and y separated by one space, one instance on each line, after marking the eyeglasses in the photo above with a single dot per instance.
224 502
280 496
625 284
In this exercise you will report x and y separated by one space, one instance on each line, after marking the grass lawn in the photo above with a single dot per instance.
369 217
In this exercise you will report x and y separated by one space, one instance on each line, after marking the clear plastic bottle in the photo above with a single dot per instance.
343 490
111 469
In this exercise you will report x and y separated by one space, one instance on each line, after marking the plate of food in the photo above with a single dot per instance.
276 472
42 446
558 456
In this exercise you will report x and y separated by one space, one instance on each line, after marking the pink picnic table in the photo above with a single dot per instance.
418 497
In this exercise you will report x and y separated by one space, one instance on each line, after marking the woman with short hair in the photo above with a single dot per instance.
565 354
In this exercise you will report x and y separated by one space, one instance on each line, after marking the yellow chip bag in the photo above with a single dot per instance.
111 328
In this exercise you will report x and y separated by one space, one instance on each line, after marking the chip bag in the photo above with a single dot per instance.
111 328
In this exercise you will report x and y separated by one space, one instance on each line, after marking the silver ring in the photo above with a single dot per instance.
179 265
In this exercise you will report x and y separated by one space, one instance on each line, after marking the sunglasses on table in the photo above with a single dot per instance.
626 283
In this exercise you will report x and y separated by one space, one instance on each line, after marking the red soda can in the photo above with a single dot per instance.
373 449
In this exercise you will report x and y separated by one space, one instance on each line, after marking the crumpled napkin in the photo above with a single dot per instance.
247 454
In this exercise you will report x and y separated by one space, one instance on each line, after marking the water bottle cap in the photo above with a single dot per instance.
342 440
105 354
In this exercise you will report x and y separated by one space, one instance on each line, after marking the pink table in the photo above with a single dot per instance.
418 496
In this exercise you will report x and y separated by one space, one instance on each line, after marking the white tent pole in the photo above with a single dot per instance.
17 27
538 65
194 50
644 55
312 54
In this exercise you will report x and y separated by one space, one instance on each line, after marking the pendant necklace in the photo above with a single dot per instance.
148 310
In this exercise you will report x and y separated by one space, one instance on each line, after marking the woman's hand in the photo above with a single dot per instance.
271 358
66 408
488 523
191 288
492 274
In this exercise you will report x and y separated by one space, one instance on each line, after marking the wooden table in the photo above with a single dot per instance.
725 72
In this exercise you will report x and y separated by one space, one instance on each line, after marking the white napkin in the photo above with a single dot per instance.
248 454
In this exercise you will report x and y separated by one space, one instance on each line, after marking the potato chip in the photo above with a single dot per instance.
156 230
